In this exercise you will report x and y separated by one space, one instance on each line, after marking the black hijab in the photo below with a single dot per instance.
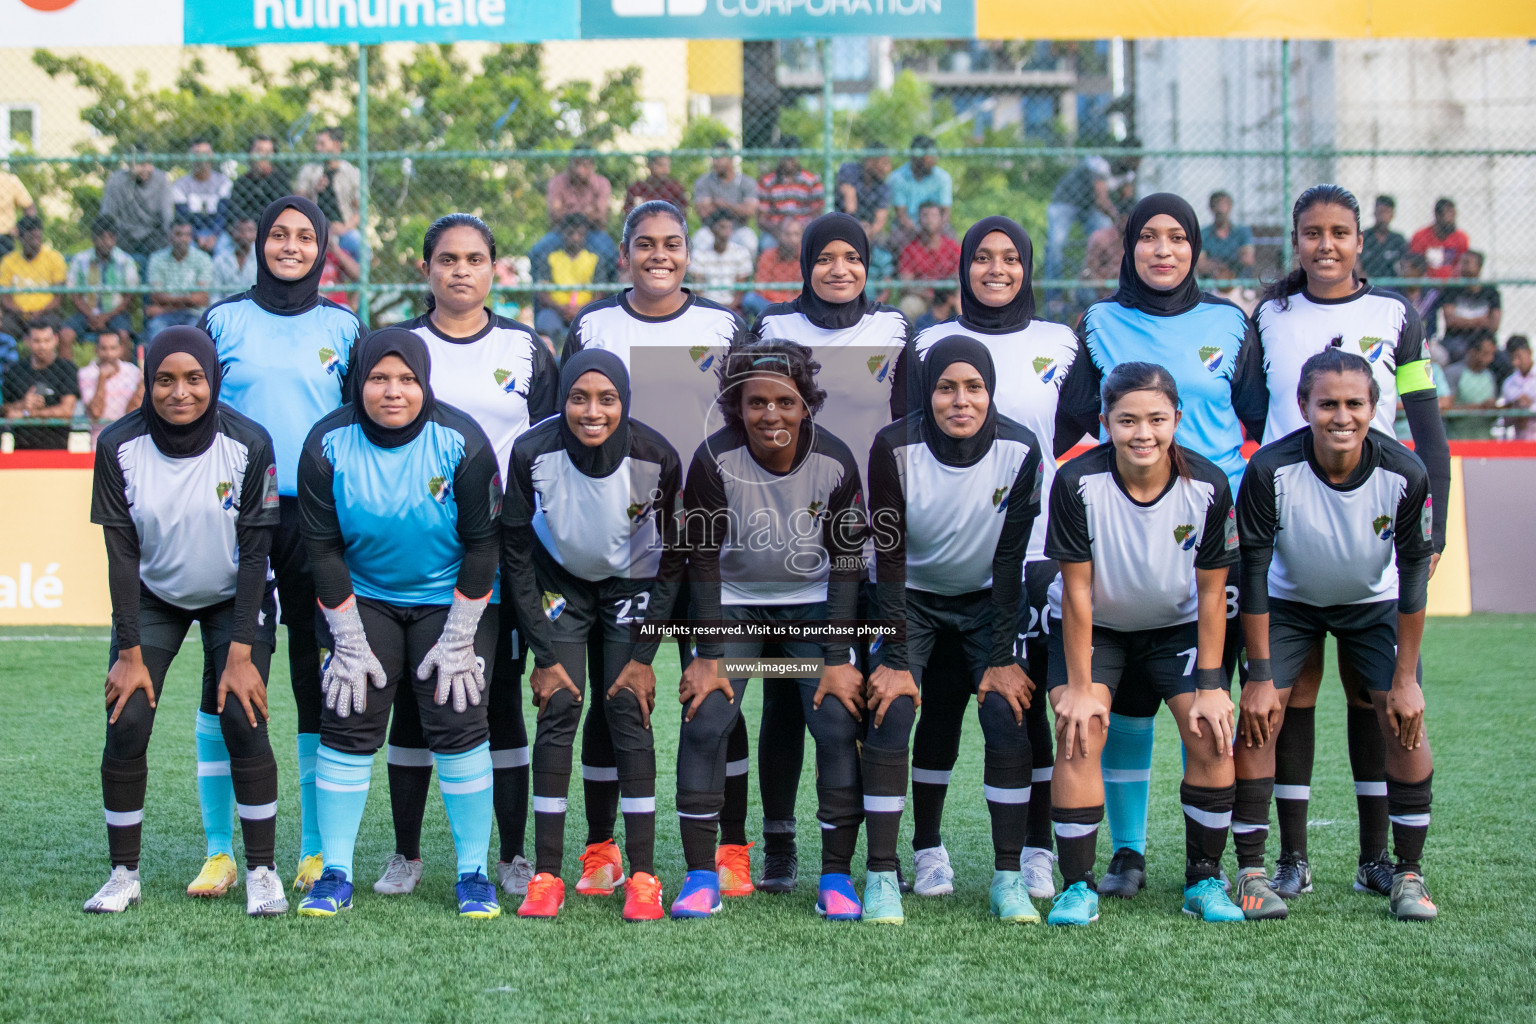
1016 315
606 457
183 440
393 341
272 293
828 228
958 451
1137 293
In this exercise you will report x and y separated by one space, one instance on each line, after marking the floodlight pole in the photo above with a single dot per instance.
1285 155
363 296
829 172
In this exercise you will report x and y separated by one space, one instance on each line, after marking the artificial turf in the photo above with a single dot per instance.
1338 958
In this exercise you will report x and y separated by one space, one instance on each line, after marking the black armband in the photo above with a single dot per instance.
1259 671
1212 679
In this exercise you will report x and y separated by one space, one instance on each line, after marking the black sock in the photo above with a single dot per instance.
779 836
408 786
1207 817
1293 778
781 730
549 799
600 787
1077 834
510 796
255 784
1005 779
839 810
1250 820
1368 764
885 797
1408 806
698 819
1043 760
738 764
122 794
929 788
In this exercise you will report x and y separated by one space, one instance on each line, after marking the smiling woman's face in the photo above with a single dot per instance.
1163 253
292 246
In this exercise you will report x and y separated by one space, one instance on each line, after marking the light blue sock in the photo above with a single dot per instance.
309 820
215 791
1127 764
341 793
465 780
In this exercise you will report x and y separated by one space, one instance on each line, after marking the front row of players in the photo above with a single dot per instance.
405 518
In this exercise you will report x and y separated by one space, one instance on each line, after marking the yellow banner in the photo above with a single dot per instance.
53 563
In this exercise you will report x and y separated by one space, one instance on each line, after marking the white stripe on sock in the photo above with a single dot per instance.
408 757
256 812
738 767
1127 774
1293 792
1242 828
826 826
637 804
1073 829
206 768
465 786
1210 819
1370 789
594 773
119 819
699 817
1411 820
931 776
998 795
341 787
1041 774
884 804
549 805
517 757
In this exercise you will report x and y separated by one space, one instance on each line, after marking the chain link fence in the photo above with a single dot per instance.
1061 136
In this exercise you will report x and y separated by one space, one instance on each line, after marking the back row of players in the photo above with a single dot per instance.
388 515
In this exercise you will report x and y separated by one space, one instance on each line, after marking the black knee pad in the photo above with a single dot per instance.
999 727
243 739
128 737
895 731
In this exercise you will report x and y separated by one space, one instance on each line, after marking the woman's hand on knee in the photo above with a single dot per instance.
700 679
241 678
1009 682
1260 710
1082 719
884 686
1214 707
639 680
1405 712
846 683
544 683
128 673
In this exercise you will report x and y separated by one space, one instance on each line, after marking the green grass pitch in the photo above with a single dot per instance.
1338 958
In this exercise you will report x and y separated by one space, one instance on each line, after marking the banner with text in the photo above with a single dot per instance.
775 19
253 22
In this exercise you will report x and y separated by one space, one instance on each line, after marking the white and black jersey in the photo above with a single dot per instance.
502 376
1309 540
1144 555
673 361
1031 365
187 512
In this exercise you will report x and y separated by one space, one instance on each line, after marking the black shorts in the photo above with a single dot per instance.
1155 662
1367 636
967 617
1031 646
164 626
575 607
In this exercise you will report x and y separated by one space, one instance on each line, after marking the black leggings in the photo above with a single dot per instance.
300 613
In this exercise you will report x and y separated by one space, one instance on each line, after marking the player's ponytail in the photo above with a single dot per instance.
1280 291
1130 377
440 227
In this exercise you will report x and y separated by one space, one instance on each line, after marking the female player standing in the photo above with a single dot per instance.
502 376
1145 534
401 499
284 352
1158 314
1325 302
954 491
775 526
1033 358
1337 537
591 554
186 492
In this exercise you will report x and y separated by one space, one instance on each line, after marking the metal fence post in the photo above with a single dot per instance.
365 296
829 172
1285 156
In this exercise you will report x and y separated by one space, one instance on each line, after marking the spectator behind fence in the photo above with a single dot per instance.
788 191
15 201
1442 242
1473 385
932 255
580 189
264 182
111 385
202 197
180 276
721 262
1101 261
34 262
1087 196
1519 390
40 386
138 199
724 187
1468 309
946 303
339 268
574 263
658 184
1226 249
234 270
862 191
779 264
336 187
920 180
1424 297
1383 246
103 266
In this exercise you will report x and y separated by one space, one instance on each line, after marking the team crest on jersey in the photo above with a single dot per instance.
817 509
1382 527
330 360
1000 499
226 492
441 489
1211 356
702 357
1184 535
1045 368
638 512
505 381
553 605
879 366
1372 348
